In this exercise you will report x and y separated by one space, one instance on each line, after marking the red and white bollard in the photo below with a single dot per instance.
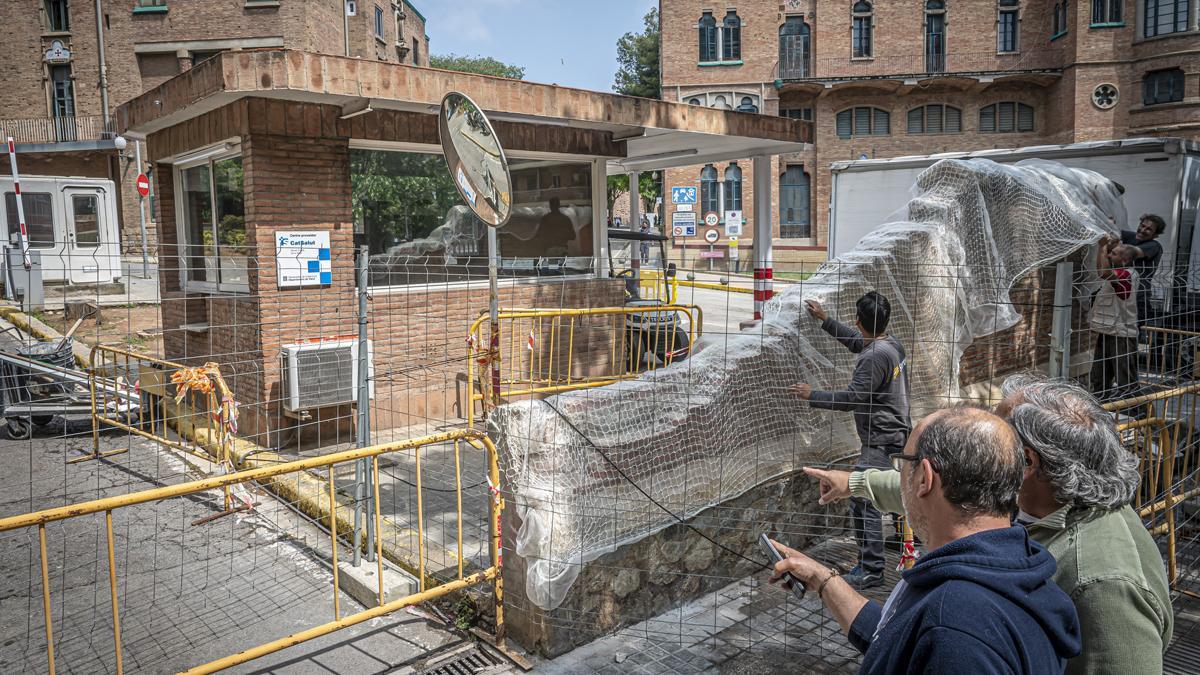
763 232
24 235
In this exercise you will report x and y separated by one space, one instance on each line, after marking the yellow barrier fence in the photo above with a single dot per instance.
267 476
1159 428
545 351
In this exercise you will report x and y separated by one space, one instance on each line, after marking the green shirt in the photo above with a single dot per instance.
1107 563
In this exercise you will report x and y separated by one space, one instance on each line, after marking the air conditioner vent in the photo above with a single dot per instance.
321 374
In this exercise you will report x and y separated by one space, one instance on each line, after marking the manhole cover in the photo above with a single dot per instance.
473 661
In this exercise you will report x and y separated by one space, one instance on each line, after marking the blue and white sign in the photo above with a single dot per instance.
683 195
683 223
303 259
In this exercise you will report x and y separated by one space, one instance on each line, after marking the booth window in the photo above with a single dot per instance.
212 225
409 214
39 218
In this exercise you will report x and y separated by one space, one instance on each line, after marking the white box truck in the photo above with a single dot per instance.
1160 175
72 223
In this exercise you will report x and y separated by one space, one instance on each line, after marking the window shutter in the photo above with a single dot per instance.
882 123
862 121
843 124
987 119
916 123
1005 117
1024 117
953 120
933 119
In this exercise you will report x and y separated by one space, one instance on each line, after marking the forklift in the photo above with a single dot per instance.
651 338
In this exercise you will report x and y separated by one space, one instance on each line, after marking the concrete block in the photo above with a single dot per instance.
362 582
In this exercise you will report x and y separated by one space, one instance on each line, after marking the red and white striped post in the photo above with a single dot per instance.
24 238
763 229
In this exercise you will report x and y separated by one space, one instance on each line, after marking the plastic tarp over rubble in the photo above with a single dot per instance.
706 430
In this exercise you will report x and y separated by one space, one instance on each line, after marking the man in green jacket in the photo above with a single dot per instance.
1074 500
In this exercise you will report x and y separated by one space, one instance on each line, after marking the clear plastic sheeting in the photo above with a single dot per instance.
708 429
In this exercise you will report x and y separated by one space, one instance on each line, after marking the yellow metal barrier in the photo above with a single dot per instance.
1163 340
273 474
540 348
1154 437
719 287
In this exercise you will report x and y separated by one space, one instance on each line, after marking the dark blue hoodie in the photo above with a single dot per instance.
980 604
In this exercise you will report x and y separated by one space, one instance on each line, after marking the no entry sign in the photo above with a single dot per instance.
143 185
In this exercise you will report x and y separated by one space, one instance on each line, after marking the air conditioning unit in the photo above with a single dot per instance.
320 374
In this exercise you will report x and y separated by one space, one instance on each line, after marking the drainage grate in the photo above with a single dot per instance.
473 661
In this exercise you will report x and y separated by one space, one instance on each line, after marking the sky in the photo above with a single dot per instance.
567 42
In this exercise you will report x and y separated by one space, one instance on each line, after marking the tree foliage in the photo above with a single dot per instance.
637 60
480 65
649 188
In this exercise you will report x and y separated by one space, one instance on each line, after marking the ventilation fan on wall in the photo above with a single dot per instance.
320 374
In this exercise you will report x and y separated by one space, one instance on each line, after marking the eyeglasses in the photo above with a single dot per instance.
898 459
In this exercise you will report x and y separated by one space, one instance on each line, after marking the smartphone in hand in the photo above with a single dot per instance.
790 580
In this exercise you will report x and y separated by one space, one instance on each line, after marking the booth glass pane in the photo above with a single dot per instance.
39 218
84 210
198 241
232 252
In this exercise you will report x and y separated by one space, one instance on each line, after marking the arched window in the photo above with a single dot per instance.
863 121
710 199
795 48
935 36
747 105
1058 19
793 204
861 20
708 37
1005 117
695 101
731 37
935 118
1007 24
1162 86
733 188
722 103
1161 17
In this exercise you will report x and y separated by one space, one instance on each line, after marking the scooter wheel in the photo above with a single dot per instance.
18 429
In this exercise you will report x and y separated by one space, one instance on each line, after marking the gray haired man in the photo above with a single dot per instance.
1074 500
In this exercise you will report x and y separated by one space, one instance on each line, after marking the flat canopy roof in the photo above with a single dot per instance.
654 134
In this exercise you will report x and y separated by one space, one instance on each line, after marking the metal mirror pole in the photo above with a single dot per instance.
362 475
494 312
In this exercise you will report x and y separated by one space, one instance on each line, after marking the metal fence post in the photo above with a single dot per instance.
1060 327
364 394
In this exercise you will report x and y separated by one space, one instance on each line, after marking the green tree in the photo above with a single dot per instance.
480 65
637 60
649 188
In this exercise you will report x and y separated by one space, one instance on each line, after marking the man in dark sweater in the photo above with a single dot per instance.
1145 263
982 600
878 397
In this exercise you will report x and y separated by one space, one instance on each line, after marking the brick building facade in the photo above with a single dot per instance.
52 95
924 76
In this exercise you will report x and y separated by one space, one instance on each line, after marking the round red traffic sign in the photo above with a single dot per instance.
711 219
143 185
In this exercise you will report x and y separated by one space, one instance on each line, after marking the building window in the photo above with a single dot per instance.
863 121
695 101
708 38
378 22
1058 19
721 103
1163 17
149 6
710 193
793 204
795 48
1162 86
935 36
935 119
212 224
58 16
62 100
416 52
861 20
747 105
201 57
418 230
733 189
731 37
1007 27
1005 117
805 114
39 218
1107 12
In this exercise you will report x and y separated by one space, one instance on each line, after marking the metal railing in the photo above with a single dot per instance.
1159 429
1173 352
546 351
277 474
57 129
921 63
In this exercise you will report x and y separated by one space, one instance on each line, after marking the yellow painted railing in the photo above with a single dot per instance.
544 351
279 473
1159 429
